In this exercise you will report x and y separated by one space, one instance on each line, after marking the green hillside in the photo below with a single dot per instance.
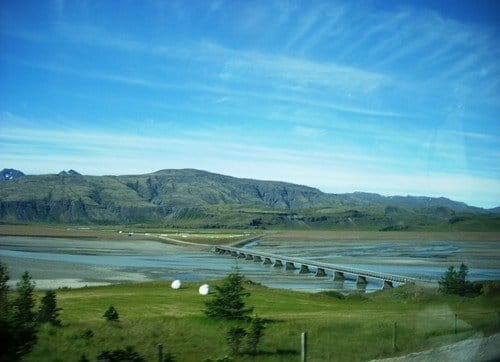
194 198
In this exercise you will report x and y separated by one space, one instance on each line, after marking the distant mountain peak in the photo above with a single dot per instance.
184 171
10 174
70 172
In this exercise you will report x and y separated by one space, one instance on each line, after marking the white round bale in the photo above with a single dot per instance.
176 284
204 289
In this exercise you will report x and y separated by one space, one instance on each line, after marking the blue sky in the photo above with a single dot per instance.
392 97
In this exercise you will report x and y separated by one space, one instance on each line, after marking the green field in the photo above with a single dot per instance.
358 327
224 236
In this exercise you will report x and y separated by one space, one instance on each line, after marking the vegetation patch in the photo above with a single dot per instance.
356 328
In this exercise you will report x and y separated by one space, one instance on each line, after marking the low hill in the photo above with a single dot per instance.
194 198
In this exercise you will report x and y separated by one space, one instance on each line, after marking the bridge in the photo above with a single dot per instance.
304 265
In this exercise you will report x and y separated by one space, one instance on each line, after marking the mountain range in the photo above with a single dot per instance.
195 198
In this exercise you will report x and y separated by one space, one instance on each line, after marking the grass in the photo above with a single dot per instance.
352 328
212 237
222 236
332 235
138 233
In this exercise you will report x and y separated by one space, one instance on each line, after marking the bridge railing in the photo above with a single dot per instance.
327 266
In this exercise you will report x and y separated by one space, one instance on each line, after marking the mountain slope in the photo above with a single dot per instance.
190 188
197 198
364 198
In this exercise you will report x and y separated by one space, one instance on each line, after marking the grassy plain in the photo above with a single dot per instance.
329 235
223 236
136 232
358 327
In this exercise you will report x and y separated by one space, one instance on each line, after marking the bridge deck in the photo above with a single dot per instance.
325 266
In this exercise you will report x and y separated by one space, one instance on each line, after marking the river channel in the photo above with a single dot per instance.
66 262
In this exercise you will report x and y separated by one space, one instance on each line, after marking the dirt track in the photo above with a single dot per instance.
472 349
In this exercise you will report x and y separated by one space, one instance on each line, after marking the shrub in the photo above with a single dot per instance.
228 299
222 359
234 339
332 294
168 357
25 301
455 282
356 296
255 334
87 334
490 288
4 289
17 319
49 312
111 315
121 355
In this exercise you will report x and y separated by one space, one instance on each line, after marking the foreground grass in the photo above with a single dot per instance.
355 328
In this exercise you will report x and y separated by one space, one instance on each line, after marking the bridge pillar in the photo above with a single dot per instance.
320 272
304 269
241 255
387 284
361 280
338 276
249 257
257 258
234 253
267 261
278 263
289 265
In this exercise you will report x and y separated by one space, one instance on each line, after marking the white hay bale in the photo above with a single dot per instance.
176 284
204 289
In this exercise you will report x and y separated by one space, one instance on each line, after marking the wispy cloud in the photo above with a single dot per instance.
282 73
475 135
309 132
305 25
104 143
281 96
330 88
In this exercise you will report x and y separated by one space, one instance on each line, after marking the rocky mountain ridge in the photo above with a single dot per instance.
204 199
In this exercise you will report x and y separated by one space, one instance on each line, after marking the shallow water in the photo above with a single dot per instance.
421 259
58 262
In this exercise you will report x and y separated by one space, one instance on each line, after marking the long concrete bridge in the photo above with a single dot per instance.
291 263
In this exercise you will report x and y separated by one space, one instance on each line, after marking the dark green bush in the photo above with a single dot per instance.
228 300
332 294
111 314
490 288
255 334
49 312
18 329
121 355
234 339
455 282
